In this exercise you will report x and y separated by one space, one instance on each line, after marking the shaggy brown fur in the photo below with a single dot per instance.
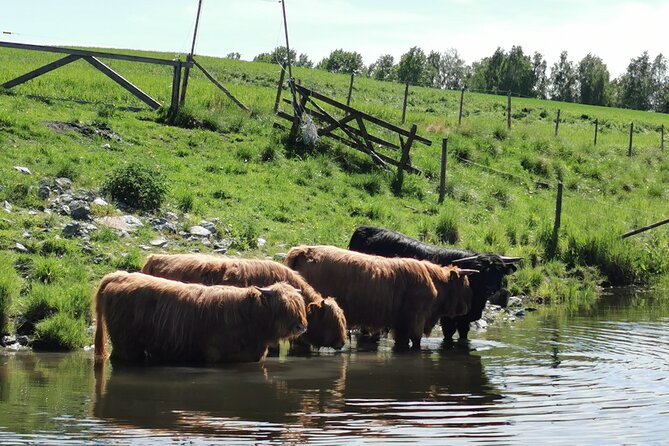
405 295
163 320
326 321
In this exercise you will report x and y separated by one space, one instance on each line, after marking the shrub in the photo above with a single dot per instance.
447 229
60 332
137 186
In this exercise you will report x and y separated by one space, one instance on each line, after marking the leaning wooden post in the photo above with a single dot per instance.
442 181
557 122
350 90
279 88
189 58
176 82
629 150
596 129
508 110
404 106
462 100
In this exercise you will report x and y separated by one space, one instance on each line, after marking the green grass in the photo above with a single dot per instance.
220 162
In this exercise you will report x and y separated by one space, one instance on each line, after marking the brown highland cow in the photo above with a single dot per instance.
326 321
405 295
162 320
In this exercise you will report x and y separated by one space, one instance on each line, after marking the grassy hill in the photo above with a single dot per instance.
235 171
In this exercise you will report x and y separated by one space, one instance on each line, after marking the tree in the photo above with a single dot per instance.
279 56
412 66
233 56
660 97
384 68
564 80
539 66
432 72
453 71
340 61
636 85
504 72
303 61
593 80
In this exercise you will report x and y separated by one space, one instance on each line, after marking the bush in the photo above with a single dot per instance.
136 186
447 229
60 332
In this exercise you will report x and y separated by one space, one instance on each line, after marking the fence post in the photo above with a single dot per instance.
279 88
508 110
442 181
556 227
629 150
404 107
462 100
662 137
557 122
176 82
350 91
596 129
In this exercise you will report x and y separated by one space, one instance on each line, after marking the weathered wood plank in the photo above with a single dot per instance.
364 115
84 53
40 71
645 228
279 88
113 75
221 87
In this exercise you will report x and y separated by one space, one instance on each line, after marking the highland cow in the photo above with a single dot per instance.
325 320
406 296
160 320
487 285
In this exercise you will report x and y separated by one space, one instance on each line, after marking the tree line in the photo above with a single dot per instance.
644 85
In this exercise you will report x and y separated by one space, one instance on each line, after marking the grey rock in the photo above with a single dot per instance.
209 226
7 340
261 242
133 221
106 146
72 229
44 191
87 248
33 212
223 244
205 242
23 340
520 313
20 248
145 248
23 170
480 324
220 251
100 202
79 210
89 227
280 256
195 250
199 231
6 206
161 242
192 238
65 198
170 215
515 301
215 220
27 235
63 183
63 209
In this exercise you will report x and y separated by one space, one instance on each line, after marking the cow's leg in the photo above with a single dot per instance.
401 336
416 330
127 352
448 326
463 328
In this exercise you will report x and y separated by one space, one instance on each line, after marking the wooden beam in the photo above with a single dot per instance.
85 53
645 228
40 71
366 116
279 88
113 75
221 87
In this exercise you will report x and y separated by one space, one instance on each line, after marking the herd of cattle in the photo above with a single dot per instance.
200 308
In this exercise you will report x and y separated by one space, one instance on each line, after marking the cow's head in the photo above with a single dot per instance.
286 309
327 324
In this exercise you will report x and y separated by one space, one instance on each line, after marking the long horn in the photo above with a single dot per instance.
510 260
465 259
467 272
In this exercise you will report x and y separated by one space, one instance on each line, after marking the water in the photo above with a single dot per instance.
600 376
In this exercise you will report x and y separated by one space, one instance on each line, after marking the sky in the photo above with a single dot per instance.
615 30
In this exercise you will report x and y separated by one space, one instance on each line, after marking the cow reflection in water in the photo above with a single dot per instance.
295 399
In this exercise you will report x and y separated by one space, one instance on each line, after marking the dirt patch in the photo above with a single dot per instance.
89 131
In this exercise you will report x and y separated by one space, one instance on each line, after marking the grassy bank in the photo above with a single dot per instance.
235 171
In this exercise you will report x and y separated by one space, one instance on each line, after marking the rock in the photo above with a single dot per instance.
126 223
280 256
79 210
261 242
199 231
27 235
515 301
133 221
170 216
7 340
106 146
220 251
223 244
100 202
23 170
480 324
44 191
6 206
65 198
87 248
161 224
33 212
205 242
520 313
63 183
145 248
195 250
20 248
63 209
72 229
209 226
23 340
159 243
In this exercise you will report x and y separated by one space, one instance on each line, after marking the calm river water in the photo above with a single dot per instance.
599 376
